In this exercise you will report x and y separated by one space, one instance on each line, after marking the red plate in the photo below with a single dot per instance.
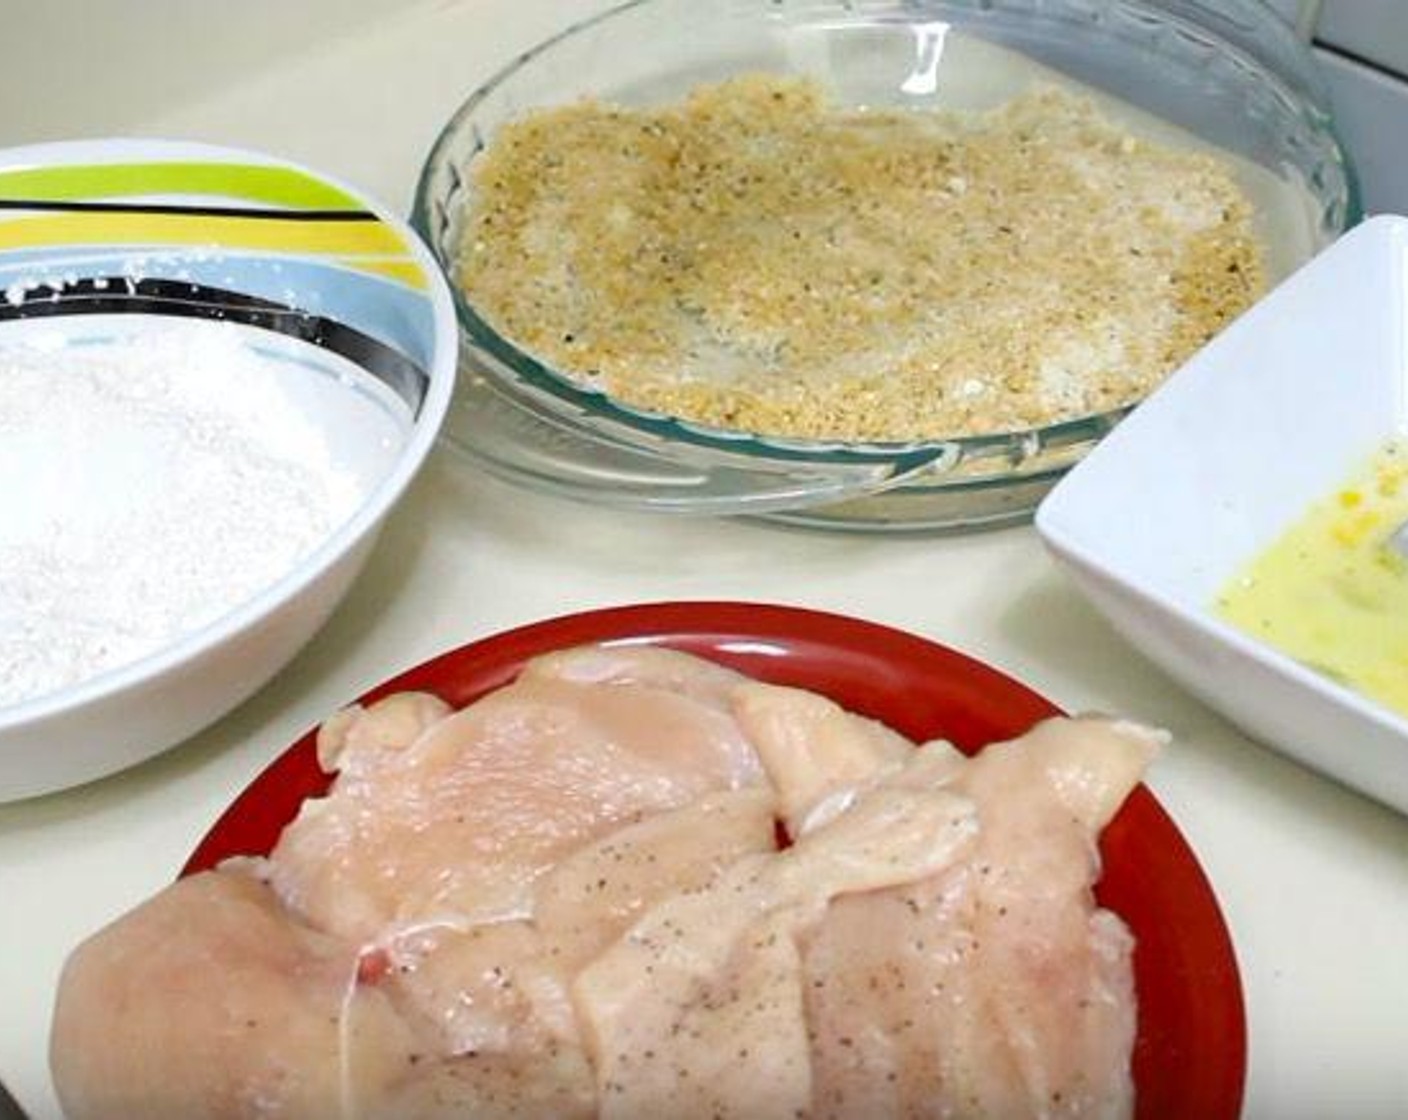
1190 1051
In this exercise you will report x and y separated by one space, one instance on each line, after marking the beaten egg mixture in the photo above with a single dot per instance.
1330 592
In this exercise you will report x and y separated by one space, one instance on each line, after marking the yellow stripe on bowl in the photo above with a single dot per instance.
402 269
271 185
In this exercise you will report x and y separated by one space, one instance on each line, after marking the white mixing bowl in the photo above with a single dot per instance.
103 241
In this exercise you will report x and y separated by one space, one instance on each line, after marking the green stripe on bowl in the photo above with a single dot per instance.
279 186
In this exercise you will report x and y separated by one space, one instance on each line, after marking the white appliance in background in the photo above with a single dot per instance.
1362 48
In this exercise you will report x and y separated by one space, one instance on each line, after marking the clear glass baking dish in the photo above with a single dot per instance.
1230 75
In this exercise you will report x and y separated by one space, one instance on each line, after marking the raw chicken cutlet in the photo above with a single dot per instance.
456 820
567 899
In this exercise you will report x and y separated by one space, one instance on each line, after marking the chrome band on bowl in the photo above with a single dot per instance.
104 295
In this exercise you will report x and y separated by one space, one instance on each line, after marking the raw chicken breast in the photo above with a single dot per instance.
212 1001
698 1010
651 669
556 1084
458 825
566 900
478 990
653 666
814 751
356 737
496 995
591 898
491 1002
994 988
207 1001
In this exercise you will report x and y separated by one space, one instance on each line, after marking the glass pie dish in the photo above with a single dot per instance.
1231 78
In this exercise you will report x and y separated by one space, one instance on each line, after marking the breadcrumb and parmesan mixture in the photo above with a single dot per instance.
756 259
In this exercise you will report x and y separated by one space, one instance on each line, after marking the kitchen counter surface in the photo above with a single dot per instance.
1313 879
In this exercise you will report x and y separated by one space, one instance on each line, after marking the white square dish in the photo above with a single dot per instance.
1270 416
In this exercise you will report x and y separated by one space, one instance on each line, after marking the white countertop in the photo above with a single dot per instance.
1313 879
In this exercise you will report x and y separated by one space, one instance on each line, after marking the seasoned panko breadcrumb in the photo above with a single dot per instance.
755 259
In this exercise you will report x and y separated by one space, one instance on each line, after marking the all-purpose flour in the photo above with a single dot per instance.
147 486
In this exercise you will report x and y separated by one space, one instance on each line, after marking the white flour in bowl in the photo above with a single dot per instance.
148 485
